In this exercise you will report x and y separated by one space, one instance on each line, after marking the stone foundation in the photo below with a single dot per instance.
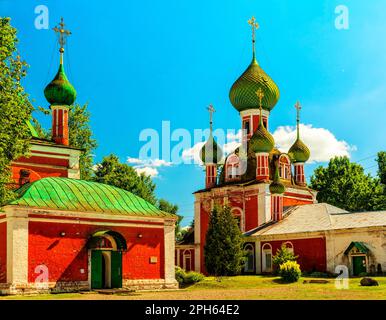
76 286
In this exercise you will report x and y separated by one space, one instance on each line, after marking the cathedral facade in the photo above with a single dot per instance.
267 192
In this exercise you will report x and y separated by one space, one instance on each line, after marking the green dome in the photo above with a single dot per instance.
299 152
243 92
211 152
261 140
276 186
60 91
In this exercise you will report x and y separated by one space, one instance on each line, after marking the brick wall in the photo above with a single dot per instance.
66 256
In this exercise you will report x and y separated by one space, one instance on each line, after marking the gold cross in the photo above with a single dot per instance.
63 34
211 111
254 25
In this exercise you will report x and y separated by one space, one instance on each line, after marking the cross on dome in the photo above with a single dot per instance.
211 110
254 25
62 35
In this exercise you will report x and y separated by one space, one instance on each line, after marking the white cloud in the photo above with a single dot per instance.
148 162
322 143
148 166
149 171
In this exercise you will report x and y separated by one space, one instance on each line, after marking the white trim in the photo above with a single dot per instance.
254 112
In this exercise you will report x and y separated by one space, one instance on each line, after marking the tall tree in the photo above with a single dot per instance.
111 171
166 206
381 159
15 108
344 184
223 251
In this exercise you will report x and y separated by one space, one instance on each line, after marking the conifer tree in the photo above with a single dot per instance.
223 251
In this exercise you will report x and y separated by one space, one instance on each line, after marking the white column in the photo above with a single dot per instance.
258 257
197 235
169 245
17 248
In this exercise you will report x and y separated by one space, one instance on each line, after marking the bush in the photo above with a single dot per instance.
282 256
290 271
180 275
190 277
193 277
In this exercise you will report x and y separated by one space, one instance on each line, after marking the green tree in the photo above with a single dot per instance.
224 255
166 206
15 107
381 159
282 256
344 184
81 136
111 171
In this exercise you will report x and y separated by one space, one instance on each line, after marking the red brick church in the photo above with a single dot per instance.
267 192
65 234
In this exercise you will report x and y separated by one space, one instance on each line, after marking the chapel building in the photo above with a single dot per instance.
66 234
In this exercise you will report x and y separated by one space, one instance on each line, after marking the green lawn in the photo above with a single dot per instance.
244 287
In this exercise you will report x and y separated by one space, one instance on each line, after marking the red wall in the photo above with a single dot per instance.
311 252
3 252
251 217
65 256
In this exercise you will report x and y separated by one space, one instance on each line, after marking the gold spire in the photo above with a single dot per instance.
62 34
298 108
254 25
211 111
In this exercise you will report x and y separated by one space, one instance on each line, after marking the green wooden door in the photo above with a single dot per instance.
116 269
359 265
96 269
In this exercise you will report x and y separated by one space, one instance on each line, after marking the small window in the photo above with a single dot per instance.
247 126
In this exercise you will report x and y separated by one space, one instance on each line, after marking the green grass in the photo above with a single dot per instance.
273 288
244 287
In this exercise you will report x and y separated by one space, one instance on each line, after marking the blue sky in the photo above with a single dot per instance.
138 63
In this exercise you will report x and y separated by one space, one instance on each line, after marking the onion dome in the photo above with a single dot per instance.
261 140
276 186
243 92
298 152
60 91
211 153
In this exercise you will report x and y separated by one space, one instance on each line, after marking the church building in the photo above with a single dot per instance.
267 192
65 234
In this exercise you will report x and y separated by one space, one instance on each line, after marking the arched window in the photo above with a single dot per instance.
250 262
232 168
187 260
266 257
284 167
238 214
289 246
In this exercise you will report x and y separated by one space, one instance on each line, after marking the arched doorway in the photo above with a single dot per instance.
106 259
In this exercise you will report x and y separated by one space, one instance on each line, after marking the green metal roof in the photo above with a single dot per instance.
84 196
